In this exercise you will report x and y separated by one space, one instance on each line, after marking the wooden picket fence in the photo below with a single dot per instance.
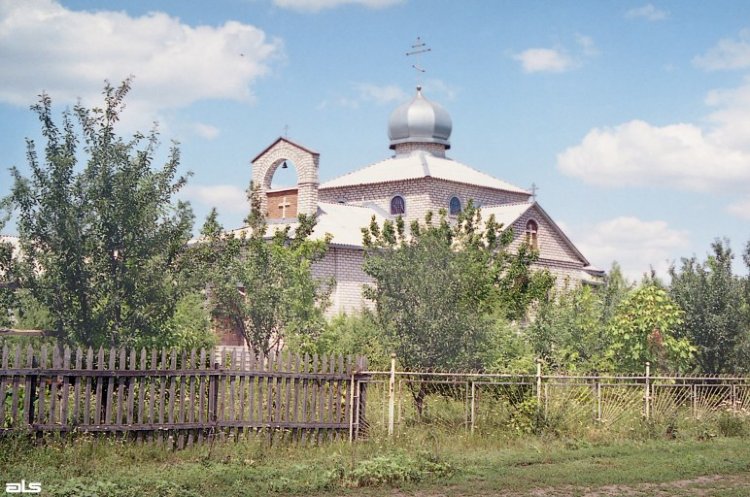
183 397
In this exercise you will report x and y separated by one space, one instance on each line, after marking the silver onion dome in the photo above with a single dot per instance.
420 121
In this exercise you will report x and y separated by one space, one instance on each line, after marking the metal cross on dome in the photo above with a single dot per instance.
418 48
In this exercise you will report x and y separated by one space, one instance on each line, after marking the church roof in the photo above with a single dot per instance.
290 142
510 213
420 164
343 222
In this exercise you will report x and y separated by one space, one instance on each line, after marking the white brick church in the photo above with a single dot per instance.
417 178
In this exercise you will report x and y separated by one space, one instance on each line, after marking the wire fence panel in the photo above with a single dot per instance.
486 403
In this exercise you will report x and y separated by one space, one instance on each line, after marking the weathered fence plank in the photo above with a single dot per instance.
172 394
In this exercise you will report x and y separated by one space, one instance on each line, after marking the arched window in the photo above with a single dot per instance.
398 205
455 206
532 232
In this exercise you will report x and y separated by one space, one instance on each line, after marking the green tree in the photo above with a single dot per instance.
261 285
643 330
569 331
713 301
8 298
101 241
437 291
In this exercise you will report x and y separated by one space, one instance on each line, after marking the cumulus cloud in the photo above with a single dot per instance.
228 199
713 157
318 5
727 54
557 60
69 53
647 12
544 60
637 245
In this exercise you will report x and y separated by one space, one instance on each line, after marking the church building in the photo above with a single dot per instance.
418 177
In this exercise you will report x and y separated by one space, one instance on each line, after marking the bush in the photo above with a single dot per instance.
396 468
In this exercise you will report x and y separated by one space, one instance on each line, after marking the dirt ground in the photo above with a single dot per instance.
704 486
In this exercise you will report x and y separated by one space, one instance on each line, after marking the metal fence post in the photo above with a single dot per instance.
392 396
473 404
648 390
538 382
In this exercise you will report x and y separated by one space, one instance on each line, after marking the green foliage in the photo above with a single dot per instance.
262 285
191 324
642 330
508 349
356 334
101 242
8 298
569 331
396 468
436 291
715 307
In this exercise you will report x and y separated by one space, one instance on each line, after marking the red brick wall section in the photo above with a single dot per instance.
279 197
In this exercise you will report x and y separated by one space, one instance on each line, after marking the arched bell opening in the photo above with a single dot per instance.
282 190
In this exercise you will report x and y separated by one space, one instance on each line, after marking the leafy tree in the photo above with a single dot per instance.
101 241
8 298
191 323
437 291
711 297
569 331
643 330
262 285
615 288
356 334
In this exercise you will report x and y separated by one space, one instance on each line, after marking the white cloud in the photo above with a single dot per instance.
715 157
318 5
205 131
647 12
637 245
544 60
228 199
385 94
69 53
557 60
727 54
740 209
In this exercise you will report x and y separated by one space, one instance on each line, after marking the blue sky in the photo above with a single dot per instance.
633 118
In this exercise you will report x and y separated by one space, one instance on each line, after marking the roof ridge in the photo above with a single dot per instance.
356 170
482 172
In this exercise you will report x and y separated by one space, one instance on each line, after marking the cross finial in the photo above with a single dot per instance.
419 47
286 131
534 189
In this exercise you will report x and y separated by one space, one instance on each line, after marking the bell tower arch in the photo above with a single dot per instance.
287 202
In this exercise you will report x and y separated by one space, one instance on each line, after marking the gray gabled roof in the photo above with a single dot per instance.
417 165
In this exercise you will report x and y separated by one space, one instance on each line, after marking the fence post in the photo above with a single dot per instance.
473 404
648 390
539 382
213 396
392 395
598 398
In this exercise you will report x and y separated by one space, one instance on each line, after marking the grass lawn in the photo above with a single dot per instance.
421 466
